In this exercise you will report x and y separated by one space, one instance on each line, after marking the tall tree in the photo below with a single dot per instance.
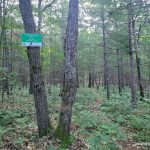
4 47
130 42
138 60
119 72
70 75
106 75
35 64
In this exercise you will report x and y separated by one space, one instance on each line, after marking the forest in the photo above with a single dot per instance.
75 74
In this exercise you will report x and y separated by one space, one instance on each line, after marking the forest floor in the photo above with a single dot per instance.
97 123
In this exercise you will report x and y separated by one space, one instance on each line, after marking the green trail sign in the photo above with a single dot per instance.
31 39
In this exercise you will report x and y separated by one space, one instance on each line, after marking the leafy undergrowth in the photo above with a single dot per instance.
97 124
136 123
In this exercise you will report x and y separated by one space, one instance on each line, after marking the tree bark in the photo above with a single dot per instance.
35 64
70 80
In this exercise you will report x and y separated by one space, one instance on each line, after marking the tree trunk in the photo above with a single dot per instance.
119 72
93 79
39 16
90 80
5 62
70 80
35 64
77 72
31 86
90 69
132 76
138 60
11 51
106 75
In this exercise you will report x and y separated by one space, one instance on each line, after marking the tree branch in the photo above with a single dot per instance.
48 5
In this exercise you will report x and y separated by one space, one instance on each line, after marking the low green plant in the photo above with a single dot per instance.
87 119
102 142
7 117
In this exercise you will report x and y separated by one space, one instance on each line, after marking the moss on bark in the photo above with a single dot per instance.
63 135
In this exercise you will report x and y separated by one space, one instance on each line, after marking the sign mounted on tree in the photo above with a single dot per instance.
31 39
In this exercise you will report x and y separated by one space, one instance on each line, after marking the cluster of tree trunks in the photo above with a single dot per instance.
70 81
